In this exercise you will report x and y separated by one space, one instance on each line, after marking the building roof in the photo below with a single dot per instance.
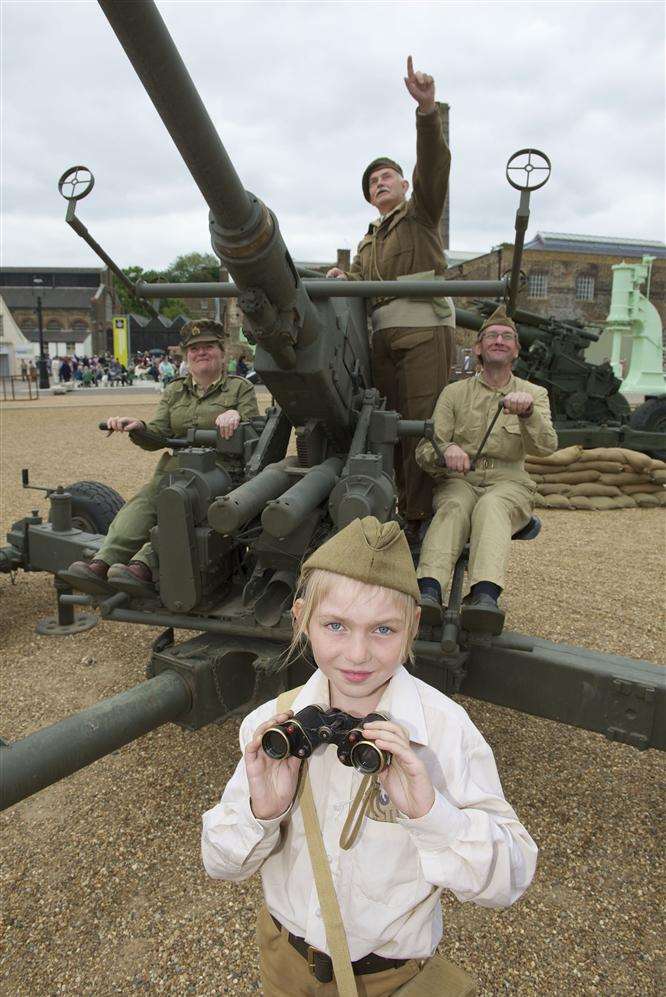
52 297
454 257
60 336
604 245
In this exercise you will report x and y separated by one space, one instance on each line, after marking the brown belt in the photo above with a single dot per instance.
321 966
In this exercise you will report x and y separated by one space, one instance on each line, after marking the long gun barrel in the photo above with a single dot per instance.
244 232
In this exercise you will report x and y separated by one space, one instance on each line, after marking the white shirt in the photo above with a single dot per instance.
389 882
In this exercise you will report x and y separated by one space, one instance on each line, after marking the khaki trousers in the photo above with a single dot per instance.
285 973
485 506
410 367
128 534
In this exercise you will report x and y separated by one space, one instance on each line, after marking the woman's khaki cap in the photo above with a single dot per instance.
498 317
204 330
371 552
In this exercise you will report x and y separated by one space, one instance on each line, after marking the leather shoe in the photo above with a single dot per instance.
481 614
87 576
135 578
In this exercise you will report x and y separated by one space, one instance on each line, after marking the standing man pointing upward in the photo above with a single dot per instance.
412 338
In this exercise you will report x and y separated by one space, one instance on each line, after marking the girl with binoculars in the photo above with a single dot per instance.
433 818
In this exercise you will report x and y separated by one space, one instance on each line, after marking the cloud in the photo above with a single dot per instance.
304 95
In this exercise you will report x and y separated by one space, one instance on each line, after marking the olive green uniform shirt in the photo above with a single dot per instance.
185 405
407 241
464 411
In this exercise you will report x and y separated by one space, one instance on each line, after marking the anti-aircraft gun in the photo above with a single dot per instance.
586 401
236 540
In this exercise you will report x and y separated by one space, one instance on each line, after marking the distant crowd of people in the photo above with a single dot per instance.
105 370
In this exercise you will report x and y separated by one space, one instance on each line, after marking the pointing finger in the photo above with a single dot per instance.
410 67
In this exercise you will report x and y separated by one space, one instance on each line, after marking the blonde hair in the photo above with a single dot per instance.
315 584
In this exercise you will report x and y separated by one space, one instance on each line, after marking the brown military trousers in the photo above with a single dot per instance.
410 367
491 506
285 973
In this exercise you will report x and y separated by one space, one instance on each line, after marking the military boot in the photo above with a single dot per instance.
87 576
481 614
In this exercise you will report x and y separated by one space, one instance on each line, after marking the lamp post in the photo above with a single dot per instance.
42 366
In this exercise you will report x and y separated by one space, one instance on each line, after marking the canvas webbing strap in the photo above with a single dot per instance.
330 908
358 810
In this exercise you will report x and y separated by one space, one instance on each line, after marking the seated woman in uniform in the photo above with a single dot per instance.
205 398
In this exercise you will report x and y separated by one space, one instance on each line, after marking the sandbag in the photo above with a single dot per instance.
624 502
605 466
627 478
644 501
660 497
580 502
639 462
657 465
571 477
643 489
556 501
538 470
659 476
592 488
605 502
539 501
615 454
565 456
555 489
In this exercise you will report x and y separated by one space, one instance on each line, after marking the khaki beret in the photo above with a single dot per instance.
371 552
498 317
204 330
375 165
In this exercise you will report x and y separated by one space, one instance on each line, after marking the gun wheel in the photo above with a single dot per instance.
94 506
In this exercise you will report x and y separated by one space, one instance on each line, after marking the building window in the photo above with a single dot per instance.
585 288
28 325
79 326
53 325
71 348
537 285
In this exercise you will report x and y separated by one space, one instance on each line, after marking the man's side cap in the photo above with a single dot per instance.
371 552
498 317
204 330
375 165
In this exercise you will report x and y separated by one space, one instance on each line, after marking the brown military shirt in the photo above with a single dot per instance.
463 413
185 405
408 239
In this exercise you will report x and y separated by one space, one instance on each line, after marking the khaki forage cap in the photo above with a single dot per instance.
371 552
498 317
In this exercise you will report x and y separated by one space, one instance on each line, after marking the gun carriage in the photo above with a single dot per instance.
236 540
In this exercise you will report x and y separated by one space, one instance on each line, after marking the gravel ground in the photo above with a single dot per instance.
103 888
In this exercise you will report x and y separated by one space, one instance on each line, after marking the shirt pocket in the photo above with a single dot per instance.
386 868
511 439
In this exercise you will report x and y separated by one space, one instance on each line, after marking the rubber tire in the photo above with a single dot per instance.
94 505
651 418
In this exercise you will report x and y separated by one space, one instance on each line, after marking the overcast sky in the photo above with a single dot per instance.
303 95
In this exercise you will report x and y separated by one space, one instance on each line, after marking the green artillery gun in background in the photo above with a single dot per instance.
586 399
236 541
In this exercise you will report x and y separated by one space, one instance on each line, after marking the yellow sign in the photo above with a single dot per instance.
121 339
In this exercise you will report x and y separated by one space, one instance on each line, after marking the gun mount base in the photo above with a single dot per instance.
51 627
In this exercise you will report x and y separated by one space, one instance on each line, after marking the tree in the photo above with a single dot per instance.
191 267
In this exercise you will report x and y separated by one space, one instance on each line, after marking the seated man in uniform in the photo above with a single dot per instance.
207 397
413 338
494 499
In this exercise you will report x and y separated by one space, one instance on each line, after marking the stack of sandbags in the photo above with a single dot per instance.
604 478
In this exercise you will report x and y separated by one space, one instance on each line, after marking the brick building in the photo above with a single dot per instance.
78 304
569 276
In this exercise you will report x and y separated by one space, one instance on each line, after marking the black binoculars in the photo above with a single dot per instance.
313 726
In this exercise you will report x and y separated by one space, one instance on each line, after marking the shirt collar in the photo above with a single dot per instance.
196 387
400 700
509 386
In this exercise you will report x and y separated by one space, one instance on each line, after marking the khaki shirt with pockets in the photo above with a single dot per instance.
183 406
465 409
